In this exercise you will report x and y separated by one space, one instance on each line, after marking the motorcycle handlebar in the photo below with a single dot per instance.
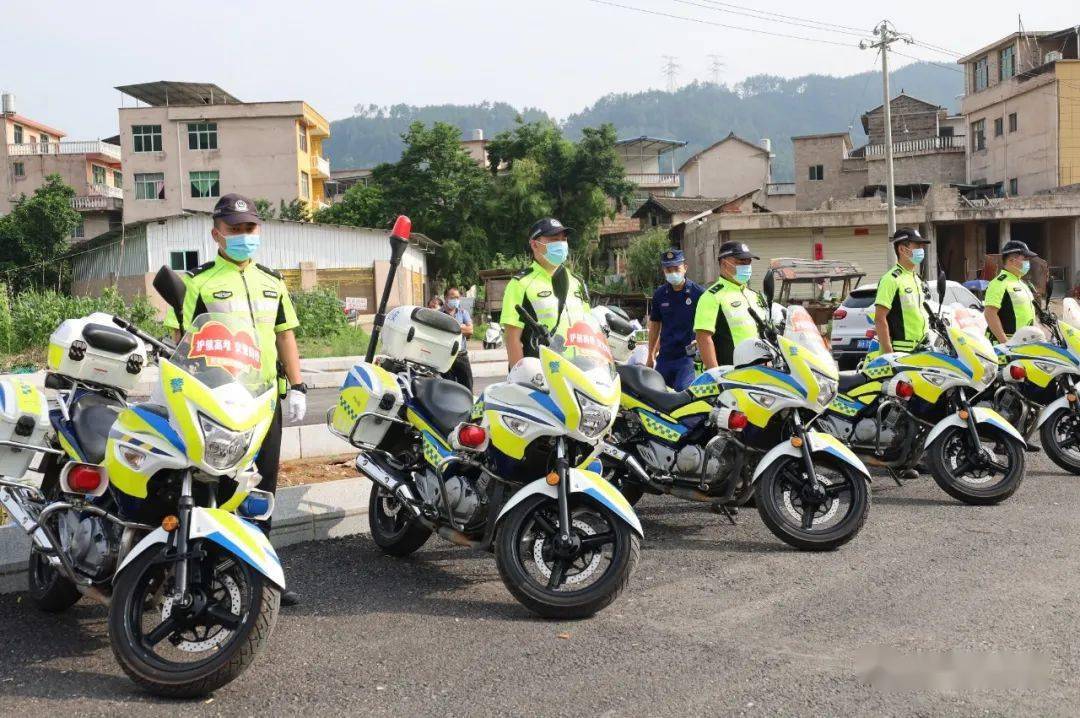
161 347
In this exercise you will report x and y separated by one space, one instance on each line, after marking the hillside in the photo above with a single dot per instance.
700 113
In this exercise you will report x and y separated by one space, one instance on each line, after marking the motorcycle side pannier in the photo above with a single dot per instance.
93 349
368 389
24 419
422 336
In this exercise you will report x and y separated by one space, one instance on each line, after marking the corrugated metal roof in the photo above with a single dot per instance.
169 92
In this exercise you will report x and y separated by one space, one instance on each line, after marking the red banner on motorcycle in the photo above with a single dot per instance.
584 337
220 346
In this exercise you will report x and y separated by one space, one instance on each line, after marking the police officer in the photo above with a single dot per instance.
671 322
461 370
234 284
1010 303
726 312
900 319
547 290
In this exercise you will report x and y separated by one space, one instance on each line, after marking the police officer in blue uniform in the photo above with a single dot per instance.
671 322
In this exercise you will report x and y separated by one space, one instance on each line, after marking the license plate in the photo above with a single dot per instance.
862 343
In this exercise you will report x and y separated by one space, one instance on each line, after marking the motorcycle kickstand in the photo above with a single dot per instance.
724 509
895 476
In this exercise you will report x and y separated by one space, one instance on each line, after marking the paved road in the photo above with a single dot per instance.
319 400
716 620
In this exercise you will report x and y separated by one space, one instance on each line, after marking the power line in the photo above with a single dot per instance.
712 5
701 21
935 48
777 15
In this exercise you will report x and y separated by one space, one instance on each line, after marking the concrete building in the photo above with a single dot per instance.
188 143
353 260
1022 105
31 151
732 167
341 180
825 169
669 211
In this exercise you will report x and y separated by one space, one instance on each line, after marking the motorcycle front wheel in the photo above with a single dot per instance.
982 474
807 519
1060 437
186 652
573 586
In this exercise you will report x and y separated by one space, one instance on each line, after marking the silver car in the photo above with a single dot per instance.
853 321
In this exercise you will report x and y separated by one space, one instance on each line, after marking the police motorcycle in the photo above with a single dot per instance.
1037 387
903 408
747 431
509 473
493 335
145 509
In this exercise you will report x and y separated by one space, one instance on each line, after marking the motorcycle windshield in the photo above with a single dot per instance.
1070 312
969 320
801 329
221 350
585 346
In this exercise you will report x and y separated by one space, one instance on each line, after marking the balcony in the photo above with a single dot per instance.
99 197
320 167
667 180
94 148
922 146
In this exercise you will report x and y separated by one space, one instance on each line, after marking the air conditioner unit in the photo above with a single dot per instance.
1053 56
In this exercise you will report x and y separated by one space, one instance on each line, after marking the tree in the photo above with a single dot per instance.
360 206
36 231
297 211
643 259
265 208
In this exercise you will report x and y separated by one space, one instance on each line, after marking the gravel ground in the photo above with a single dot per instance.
717 620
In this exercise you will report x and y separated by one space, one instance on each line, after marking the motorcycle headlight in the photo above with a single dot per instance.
223 447
595 417
990 370
828 388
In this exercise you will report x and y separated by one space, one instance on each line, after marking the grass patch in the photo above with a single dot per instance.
349 341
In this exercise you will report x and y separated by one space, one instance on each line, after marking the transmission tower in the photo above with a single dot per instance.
716 64
671 71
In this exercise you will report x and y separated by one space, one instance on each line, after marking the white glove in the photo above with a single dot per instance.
295 406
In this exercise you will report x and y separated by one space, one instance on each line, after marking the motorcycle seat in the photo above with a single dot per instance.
850 380
446 403
648 385
92 415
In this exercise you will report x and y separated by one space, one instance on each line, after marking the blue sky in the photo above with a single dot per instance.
63 58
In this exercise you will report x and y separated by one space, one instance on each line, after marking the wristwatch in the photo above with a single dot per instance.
301 387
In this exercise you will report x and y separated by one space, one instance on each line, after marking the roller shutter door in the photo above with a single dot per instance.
770 244
866 251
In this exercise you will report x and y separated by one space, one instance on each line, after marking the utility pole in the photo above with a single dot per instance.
886 36
715 66
671 69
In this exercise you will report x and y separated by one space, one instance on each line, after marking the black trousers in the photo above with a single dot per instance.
461 371
268 462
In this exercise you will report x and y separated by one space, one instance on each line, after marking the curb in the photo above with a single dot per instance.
312 512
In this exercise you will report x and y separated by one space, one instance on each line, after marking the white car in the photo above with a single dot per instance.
853 321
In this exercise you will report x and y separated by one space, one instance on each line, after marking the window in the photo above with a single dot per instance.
982 75
1008 63
147 138
18 134
117 178
150 185
817 173
99 174
302 132
305 185
205 184
999 127
946 131
31 139
1014 186
115 224
19 169
184 261
978 135
79 231
1014 123
202 135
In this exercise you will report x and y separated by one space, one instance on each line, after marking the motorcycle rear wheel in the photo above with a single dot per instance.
391 528
49 590
952 450
1065 454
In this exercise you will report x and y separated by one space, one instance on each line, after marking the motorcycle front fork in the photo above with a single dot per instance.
804 448
183 530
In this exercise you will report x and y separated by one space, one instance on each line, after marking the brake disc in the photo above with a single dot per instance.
580 576
220 634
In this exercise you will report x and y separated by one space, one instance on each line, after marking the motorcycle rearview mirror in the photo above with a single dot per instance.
172 289
1049 291
941 285
768 286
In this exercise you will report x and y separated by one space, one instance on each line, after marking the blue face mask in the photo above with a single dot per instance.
557 252
918 255
674 278
241 247
453 303
1025 267
742 273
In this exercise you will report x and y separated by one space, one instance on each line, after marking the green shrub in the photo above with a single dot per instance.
319 312
643 259
5 320
348 341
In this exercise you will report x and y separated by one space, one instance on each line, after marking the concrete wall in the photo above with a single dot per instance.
926 168
258 155
1068 74
780 202
728 169
844 177
912 119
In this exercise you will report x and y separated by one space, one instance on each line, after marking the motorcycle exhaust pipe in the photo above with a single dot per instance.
18 512
643 477
380 476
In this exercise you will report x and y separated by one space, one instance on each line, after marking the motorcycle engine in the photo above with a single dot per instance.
463 496
90 542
